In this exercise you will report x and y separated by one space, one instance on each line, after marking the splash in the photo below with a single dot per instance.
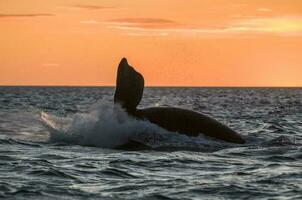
110 126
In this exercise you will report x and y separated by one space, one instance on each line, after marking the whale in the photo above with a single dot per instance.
128 94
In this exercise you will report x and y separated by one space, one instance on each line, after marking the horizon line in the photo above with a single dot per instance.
153 86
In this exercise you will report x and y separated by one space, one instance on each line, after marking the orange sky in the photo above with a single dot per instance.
171 42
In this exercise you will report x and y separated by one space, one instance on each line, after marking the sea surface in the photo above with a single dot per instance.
58 143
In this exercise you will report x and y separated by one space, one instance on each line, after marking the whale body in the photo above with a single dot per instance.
128 94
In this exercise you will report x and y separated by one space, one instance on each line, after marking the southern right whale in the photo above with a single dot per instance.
129 91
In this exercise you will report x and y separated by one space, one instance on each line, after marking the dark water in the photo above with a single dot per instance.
56 143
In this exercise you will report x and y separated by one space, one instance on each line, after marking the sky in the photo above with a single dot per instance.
171 42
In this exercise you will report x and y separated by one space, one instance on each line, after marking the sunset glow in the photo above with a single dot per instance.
171 42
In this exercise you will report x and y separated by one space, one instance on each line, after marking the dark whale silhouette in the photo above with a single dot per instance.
129 91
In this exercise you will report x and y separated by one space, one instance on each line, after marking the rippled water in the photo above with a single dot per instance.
57 143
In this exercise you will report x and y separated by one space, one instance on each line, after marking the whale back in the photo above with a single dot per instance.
129 87
189 122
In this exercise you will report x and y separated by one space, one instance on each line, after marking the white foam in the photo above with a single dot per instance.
102 126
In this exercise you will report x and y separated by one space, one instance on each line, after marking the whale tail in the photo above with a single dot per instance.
129 87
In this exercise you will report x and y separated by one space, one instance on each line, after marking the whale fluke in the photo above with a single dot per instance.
129 87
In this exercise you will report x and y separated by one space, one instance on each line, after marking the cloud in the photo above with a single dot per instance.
143 20
239 5
275 25
90 7
135 23
282 26
90 22
25 15
264 10
146 23
147 34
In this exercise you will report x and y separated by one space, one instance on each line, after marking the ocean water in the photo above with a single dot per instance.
58 143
